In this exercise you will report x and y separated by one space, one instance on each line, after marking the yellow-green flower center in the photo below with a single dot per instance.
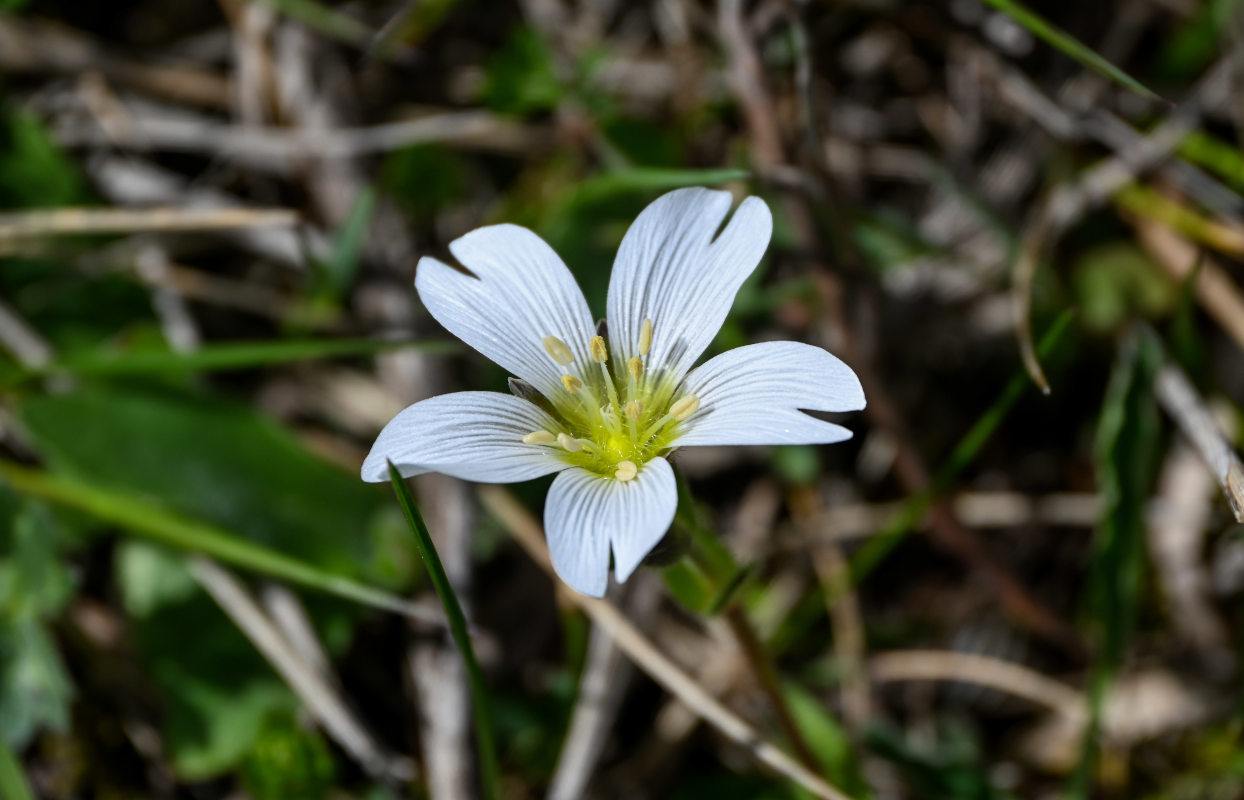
612 417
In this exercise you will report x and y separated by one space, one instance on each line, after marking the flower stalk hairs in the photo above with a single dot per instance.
605 406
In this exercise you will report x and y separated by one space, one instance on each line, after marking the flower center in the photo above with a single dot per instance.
612 420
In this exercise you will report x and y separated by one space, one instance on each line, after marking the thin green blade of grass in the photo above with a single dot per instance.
155 524
656 179
231 356
1127 453
489 771
13 785
342 264
1063 42
905 520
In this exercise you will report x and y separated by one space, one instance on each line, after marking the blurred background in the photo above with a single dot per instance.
1023 228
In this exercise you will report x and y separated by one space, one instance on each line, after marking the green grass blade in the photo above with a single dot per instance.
1064 42
1127 453
319 17
155 524
904 521
233 355
13 784
489 772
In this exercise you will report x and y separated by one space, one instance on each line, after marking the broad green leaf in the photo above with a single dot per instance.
33 170
212 461
154 523
33 582
288 760
1062 41
521 76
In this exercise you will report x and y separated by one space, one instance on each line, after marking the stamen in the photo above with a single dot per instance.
598 349
539 437
557 350
626 471
634 408
685 407
572 384
635 365
569 443
645 337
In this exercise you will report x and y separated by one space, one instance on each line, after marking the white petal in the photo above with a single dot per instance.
521 292
675 269
476 436
585 513
752 395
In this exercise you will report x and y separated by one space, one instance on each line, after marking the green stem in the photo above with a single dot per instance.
489 772
13 785
169 529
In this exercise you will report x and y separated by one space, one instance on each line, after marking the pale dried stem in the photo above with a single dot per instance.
528 532
317 694
53 222
1005 676
1179 398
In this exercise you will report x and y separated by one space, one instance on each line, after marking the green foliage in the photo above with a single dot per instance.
522 77
948 768
1061 41
1126 451
288 762
829 742
35 689
33 171
13 784
217 690
1222 158
210 460
1117 282
338 270
425 179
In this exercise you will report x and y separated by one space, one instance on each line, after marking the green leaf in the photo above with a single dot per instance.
1126 451
33 170
35 690
1063 42
288 760
521 76
13 784
948 767
343 261
323 19
209 460
480 708
34 584
829 742
156 524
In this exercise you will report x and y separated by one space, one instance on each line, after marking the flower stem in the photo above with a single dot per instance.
489 772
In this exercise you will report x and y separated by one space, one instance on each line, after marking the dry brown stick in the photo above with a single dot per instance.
528 532
1179 398
1214 288
1015 679
33 224
29 45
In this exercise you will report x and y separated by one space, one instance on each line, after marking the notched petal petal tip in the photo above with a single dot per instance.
587 516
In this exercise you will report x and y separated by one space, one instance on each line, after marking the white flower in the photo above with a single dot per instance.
605 411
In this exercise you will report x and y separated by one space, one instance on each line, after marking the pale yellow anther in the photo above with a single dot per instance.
539 437
599 351
634 408
645 337
635 365
685 407
569 443
626 471
557 350
572 384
